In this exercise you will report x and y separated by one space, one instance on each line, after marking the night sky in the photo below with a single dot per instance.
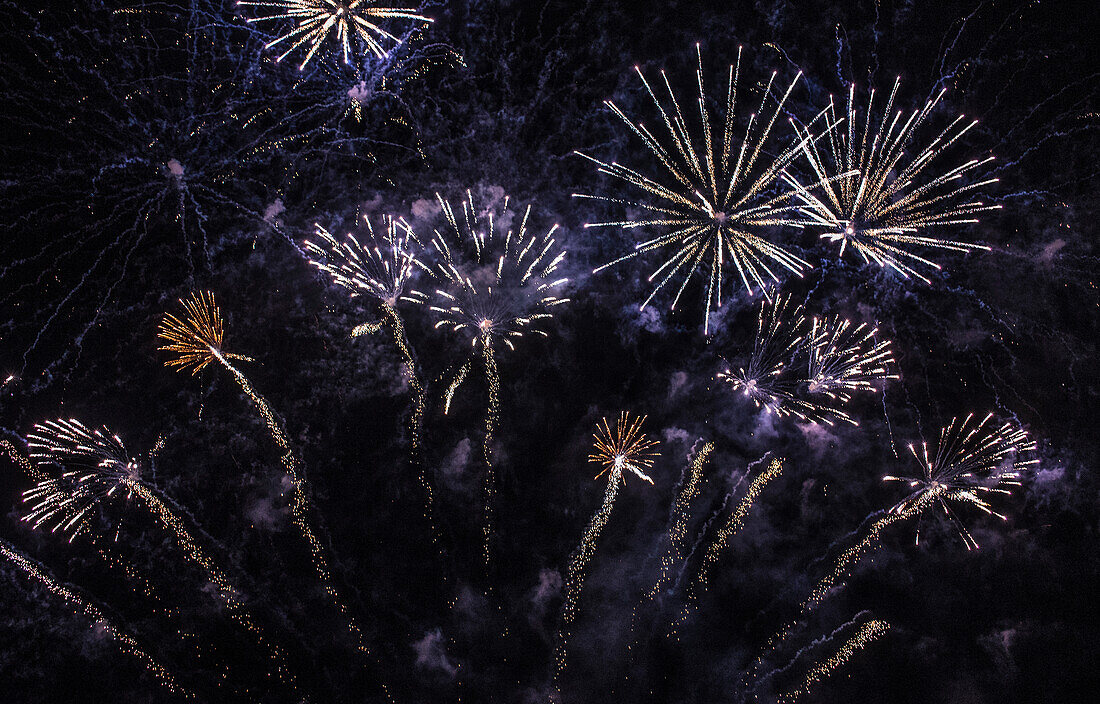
152 149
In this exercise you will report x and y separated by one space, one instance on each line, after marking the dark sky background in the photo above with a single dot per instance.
100 238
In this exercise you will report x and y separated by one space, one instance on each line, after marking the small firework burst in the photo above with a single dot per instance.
381 270
195 340
624 448
876 199
715 194
973 462
498 279
844 358
96 467
779 332
354 23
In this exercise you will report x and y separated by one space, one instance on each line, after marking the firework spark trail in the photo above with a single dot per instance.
973 462
874 200
497 285
717 202
96 467
864 636
624 448
38 572
317 19
383 271
187 342
730 528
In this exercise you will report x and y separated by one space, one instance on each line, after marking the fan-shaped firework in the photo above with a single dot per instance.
96 466
354 24
844 358
195 340
381 270
877 199
716 197
626 448
808 374
973 462
498 277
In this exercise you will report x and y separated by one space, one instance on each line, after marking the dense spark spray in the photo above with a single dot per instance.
716 197
844 359
175 332
194 340
497 284
355 24
733 524
383 271
864 636
972 463
779 332
95 468
624 448
84 604
878 200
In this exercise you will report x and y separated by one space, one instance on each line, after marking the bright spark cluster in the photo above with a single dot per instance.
866 634
809 374
498 278
195 339
973 462
381 270
877 196
626 448
714 192
353 23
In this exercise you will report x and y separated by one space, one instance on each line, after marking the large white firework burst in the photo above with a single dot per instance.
877 196
718 196
353 23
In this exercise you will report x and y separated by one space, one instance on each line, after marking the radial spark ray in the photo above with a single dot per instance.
353 24
195 339
714 195
876 197
974 462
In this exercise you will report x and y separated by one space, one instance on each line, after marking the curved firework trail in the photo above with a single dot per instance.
96 468
716 198
877 197
622 449
497 285
355 25
186 340
383 271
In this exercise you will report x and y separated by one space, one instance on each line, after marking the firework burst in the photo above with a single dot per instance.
844 359
195 339
973 463
715 195
624 449
779 333
353 24
876 199
382 270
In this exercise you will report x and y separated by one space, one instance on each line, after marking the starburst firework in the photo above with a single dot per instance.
626 448
381 270
778 336
716 196
876 199
194 340
973 463
844 358
354 23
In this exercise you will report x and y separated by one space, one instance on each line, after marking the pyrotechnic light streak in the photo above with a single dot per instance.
844 359
624 448
864 636
497 284
176 332
778 336
733 525
35 570
873 198
972 463
719 203
96 467
195 340
317 19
